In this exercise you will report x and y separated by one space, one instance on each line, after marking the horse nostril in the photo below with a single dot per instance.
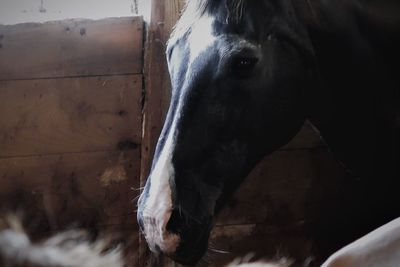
175 222
157 249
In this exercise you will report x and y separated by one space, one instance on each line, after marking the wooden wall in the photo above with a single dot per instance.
71 124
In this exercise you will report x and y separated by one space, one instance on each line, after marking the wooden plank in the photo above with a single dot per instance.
69 115
87 189
71 48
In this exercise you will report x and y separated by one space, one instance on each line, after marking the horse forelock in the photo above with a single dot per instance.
233 11
234 8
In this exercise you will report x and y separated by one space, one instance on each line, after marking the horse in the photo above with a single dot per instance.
245 76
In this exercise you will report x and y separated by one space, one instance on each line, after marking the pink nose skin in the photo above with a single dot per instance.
157 237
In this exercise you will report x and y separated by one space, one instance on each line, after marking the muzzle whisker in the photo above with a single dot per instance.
211 248
137 189
135 198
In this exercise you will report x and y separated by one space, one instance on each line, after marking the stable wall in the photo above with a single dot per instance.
71 123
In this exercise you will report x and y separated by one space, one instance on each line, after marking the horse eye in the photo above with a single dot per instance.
242 67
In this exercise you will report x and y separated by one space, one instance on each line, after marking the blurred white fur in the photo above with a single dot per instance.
73 249
67 249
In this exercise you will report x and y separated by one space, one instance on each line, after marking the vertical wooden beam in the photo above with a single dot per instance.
164 15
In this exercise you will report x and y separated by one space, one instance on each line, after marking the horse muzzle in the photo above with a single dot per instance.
153 221
182 239
194 236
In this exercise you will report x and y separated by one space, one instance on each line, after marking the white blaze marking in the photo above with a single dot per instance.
201 37
158 206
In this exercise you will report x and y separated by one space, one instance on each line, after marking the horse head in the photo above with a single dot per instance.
240 71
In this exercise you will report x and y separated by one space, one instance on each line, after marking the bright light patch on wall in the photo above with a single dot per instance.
21 11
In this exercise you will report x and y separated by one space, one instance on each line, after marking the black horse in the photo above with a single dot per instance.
246 74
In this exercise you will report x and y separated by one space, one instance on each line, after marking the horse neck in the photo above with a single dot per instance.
356 95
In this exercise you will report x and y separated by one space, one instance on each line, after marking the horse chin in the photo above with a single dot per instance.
191 251
193 232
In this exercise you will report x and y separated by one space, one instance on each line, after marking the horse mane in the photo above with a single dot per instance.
234 8
195 9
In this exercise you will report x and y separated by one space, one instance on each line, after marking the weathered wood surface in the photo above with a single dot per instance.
71 48
92 189
69 115
71 125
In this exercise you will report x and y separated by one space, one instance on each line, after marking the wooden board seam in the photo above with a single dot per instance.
66 153
72 77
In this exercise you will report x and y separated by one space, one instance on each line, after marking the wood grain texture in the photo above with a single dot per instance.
71 48
39 117
94 191
91 189
71 126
